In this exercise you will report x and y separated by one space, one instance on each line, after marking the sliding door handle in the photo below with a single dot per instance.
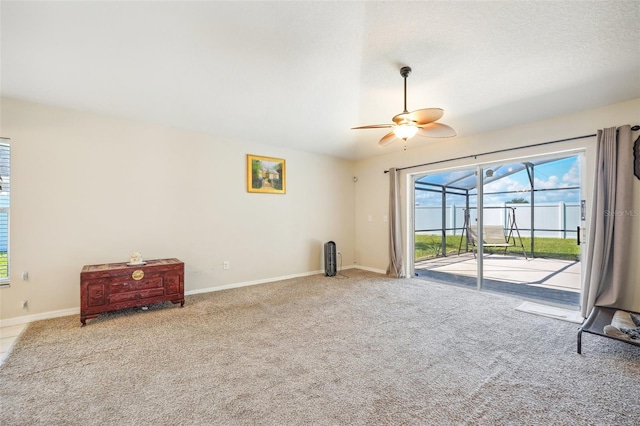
578 239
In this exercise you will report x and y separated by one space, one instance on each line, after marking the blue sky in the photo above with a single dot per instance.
562 173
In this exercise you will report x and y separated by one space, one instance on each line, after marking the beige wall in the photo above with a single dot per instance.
372 186
90 189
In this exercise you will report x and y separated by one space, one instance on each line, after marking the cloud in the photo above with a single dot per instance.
572 177
563 174
552 182
506 184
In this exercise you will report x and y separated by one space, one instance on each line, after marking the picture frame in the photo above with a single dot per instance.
266 175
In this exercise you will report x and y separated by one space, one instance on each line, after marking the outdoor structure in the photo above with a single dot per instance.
448 211
457 209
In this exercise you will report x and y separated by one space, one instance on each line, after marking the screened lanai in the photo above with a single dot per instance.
531 212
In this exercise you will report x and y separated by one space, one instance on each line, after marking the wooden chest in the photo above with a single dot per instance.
112 286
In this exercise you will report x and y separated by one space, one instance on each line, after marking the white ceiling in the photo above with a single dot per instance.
301 74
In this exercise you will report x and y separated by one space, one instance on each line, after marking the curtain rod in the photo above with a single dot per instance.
634 128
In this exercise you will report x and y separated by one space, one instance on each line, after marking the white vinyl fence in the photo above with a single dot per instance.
552 220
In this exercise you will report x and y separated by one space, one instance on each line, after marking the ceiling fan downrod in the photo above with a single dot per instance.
404 72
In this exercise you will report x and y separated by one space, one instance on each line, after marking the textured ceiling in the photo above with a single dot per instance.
301 74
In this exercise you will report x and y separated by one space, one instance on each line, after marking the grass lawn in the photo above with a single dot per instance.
4 267
430 246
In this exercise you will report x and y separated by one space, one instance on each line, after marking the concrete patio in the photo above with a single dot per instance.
552 280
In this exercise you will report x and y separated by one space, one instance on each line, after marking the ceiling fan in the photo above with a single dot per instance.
421 122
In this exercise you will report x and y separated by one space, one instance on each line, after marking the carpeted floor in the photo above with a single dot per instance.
325 351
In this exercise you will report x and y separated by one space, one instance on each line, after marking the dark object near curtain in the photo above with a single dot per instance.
636 156
599 318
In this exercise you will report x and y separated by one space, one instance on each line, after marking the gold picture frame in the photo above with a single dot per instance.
266 175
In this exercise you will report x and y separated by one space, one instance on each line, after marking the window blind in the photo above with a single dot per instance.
5 200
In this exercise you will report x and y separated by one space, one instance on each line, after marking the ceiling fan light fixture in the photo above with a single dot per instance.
405 131
406 125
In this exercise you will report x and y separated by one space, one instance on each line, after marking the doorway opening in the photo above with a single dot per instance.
510 227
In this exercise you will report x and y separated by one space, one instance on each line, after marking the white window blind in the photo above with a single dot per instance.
5 188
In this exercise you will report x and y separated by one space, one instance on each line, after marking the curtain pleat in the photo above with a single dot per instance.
396 261
608 255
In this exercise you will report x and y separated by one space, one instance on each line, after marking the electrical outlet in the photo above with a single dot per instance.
225 264
25 276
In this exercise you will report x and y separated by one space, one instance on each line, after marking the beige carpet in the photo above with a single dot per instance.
322 351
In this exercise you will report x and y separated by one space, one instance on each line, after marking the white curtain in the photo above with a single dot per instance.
396 262
608 259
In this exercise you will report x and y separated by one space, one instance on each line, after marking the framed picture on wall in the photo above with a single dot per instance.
266 174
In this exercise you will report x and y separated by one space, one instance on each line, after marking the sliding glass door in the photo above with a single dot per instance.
442 248
509 227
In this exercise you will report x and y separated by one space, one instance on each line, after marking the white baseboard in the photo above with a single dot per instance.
366 268
274 279
248 283
75 311
37 317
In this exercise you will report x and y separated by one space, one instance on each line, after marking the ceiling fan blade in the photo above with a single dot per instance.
426 115
403 117
388 138
374 126
436 130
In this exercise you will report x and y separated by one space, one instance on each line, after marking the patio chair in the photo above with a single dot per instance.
493 235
